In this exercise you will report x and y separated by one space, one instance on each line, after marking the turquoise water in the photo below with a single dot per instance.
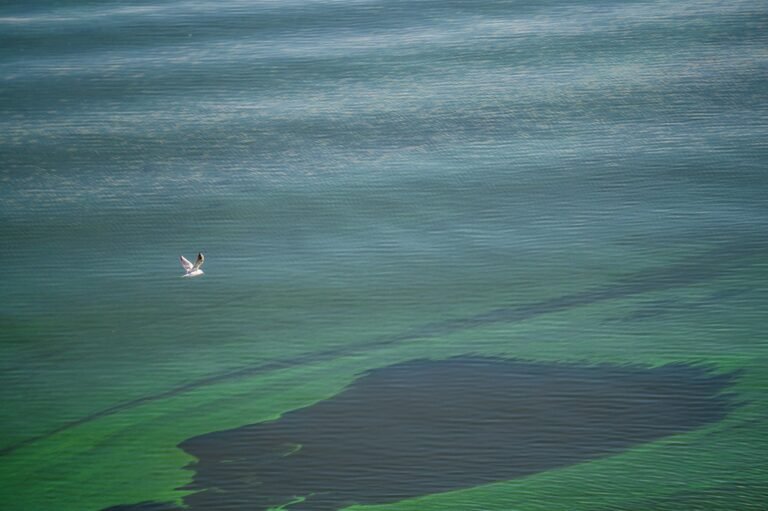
372 182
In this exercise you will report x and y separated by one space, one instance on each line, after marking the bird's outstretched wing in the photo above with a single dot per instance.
186 264
199 262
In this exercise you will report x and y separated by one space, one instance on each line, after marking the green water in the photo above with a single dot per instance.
372 182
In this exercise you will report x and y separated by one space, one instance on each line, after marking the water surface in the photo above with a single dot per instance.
374 182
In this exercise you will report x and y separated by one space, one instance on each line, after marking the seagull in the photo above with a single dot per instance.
193 270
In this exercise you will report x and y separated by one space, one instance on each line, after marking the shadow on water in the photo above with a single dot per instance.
714 263
426 426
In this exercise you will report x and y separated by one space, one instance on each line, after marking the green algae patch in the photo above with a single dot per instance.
132 455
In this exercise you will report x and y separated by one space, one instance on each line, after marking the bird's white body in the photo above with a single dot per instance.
193 270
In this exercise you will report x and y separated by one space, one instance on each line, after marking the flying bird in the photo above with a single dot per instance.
193 270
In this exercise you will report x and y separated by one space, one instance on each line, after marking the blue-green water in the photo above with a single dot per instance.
373 182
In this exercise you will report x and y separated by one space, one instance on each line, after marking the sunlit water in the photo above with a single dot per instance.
375 182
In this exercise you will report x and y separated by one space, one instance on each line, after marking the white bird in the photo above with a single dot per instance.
193 270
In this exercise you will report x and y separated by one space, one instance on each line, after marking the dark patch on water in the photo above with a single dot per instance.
425 426
671 307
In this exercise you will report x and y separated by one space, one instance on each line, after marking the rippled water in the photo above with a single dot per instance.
375 182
